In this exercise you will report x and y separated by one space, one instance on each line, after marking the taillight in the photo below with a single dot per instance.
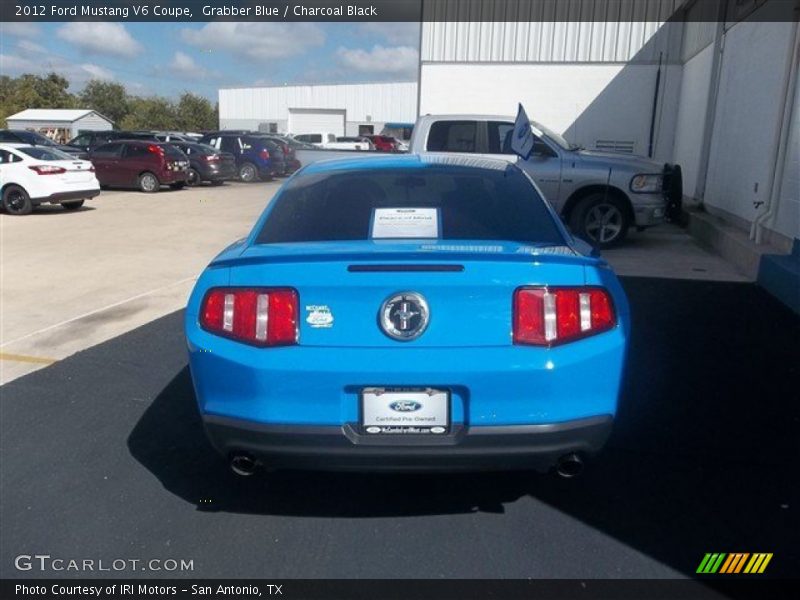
48 169
549 316
264 154
211 157
260 316
155 149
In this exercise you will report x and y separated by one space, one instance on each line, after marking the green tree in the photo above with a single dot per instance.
108 98
154 112
34 91
195 113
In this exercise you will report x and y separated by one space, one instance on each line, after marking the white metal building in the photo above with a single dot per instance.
343 109
71 121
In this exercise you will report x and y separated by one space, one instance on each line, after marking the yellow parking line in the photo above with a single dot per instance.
28 359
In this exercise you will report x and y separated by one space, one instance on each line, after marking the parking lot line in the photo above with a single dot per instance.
27 359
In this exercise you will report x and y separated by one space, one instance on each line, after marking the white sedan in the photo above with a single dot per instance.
33 175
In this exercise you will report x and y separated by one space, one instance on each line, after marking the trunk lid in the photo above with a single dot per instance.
468 286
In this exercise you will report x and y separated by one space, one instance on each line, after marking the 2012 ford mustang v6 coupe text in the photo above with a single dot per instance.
410 312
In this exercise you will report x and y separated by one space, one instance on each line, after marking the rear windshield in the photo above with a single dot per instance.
173 152
465 203
42 153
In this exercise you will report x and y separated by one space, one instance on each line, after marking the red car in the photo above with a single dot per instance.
383 143
140 164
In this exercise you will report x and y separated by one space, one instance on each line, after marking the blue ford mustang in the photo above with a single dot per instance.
410 312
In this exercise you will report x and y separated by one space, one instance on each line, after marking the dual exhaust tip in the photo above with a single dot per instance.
568 466
243 465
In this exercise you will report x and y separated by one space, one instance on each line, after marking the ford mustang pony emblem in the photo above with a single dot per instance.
404 316
405 406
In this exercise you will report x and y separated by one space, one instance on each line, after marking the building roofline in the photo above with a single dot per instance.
288 85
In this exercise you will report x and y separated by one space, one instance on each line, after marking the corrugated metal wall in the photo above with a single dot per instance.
533 32
379 101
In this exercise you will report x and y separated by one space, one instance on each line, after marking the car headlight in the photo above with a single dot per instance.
643 183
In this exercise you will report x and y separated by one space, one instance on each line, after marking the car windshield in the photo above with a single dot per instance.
557 138
42 153
465 203
173 152
32 137
201 148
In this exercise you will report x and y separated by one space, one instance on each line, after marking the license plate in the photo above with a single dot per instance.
402 411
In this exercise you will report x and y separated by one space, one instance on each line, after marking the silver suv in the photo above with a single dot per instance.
600 195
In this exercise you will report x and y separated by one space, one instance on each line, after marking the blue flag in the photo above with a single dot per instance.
522 138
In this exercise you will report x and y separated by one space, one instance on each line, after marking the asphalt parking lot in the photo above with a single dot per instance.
103 455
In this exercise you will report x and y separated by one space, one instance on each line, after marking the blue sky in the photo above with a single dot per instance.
169 58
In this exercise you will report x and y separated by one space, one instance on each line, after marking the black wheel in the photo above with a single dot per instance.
72 205
16 201
177 186
600 219
248 173
149 183
193 179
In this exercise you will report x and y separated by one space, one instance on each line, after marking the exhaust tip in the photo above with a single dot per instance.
243 465
569 466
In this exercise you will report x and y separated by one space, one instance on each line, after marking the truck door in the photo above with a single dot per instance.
543 165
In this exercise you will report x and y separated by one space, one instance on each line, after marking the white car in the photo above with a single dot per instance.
33 175
329 141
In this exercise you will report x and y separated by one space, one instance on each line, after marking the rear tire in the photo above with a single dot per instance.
16 201
601 220
148 183
72 205
248 172
193 179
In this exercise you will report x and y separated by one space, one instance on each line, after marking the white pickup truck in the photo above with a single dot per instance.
329 141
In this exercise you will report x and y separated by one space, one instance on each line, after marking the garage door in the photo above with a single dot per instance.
316 120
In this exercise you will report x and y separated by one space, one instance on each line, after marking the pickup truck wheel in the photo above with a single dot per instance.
248 173
193 179
72 205
148 183
600 220
16 201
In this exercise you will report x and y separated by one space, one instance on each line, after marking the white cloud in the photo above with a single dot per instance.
184 66
77 75
256 41
398 61
397 34
22 29
100 38
29 47
98 72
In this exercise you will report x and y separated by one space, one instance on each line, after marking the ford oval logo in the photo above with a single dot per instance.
405 406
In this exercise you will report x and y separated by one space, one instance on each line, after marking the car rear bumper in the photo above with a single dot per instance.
167 177
465 448
60 197
218 173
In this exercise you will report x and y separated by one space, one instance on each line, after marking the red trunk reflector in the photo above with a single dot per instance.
550 316
264 154
260 316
